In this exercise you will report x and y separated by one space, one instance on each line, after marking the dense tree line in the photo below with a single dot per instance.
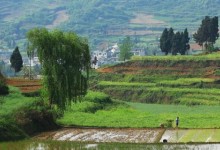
174 43
207 34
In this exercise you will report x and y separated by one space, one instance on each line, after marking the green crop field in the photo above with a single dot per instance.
90 112
150 116
202 58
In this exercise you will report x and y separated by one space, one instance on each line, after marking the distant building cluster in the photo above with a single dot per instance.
111 55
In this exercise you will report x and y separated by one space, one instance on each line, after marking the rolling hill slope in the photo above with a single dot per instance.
189 80
102 20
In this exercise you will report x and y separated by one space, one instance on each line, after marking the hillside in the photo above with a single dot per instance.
189 80
101 20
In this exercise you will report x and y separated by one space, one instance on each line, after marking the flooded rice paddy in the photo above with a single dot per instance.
104 135
129 135
68 145
116 139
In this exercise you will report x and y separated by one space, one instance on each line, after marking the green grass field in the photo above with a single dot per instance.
12 102
118 114
10 106
212 56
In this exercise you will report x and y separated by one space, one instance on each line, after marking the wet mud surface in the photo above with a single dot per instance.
127 135
104 135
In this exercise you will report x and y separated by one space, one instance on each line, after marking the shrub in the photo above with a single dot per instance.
169 123
97 97
3 87
35 117
32 94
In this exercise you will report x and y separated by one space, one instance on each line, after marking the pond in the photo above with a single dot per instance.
68 145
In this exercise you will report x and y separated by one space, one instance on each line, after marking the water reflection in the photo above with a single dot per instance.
66 145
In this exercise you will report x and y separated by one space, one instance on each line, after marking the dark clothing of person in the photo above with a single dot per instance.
177 121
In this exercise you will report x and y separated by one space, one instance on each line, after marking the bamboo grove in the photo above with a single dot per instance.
65 61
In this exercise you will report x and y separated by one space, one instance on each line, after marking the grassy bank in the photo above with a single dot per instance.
22 116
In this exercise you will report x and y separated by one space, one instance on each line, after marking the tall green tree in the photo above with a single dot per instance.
207 33
166 40
65 61
213 30
163 42
176 43
125 49
16 60
184 42
170 39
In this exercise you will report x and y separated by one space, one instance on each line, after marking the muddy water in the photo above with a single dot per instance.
104 135
133 135
117 139
191 135
67 145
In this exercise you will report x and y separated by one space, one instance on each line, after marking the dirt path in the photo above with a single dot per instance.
127 135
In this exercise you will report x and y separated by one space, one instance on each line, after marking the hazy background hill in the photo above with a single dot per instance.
102 21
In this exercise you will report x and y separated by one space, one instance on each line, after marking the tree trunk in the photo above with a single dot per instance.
30 69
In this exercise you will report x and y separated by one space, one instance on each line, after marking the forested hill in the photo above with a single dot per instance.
102 20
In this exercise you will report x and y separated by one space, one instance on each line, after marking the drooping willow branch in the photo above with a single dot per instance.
65 60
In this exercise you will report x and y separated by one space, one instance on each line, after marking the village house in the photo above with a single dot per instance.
108 56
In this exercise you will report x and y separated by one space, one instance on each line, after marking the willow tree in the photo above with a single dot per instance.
65 61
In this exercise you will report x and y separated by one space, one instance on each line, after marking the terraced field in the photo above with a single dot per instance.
25 85
188 80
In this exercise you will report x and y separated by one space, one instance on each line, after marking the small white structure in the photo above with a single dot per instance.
139 52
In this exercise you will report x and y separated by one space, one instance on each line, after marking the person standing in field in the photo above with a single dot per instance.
177 121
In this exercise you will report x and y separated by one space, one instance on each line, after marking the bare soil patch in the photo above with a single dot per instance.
25 85
178 69
131 32
146 19
62 16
